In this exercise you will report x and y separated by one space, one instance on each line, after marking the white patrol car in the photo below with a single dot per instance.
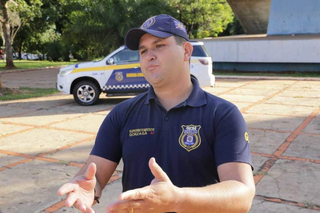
119 74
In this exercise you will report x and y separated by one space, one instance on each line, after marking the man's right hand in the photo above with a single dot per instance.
80 191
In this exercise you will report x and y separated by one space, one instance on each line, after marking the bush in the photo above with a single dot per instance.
56 51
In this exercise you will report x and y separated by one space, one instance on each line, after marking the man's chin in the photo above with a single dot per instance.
154 80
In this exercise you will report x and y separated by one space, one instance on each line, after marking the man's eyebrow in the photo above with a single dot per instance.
156 41
141 47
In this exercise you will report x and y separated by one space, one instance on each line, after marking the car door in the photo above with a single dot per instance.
126 76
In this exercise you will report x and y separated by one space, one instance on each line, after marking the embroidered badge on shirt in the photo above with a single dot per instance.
190 137
139 132
246 137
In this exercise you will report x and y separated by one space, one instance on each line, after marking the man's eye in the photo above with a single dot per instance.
160 45
142 52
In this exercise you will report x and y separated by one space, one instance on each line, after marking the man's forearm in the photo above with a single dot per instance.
228 196
97 192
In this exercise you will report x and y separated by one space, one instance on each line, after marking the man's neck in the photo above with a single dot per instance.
171 96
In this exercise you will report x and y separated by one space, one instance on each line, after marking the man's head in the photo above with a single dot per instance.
164 50
161 26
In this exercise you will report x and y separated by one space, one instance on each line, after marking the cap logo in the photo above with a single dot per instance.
180 26
148 23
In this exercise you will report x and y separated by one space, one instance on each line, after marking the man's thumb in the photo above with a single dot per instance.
157 171
91 171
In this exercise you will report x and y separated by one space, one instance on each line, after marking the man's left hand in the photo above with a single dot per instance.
160 196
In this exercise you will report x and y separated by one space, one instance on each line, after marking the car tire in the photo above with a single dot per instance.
86 93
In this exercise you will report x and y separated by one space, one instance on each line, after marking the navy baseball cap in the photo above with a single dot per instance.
161 26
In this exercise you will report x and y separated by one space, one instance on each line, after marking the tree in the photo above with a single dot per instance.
32 24
233 28
14 14
91 29
97 27
203 18
5 24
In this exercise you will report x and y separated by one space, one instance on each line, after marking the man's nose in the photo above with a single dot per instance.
150 55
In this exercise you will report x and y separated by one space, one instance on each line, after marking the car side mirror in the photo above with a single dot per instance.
110 61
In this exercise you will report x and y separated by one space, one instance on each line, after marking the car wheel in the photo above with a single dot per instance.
86 93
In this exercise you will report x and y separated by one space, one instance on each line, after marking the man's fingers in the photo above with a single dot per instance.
91 172
90 210
80 205
125 205
71 199
66 188
157 171
136 194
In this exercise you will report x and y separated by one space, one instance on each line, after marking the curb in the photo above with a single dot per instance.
29 70
266 78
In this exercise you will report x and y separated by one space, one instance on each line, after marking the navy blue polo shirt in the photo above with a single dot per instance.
189 141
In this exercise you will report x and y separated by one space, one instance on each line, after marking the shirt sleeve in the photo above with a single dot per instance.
107 144
231 142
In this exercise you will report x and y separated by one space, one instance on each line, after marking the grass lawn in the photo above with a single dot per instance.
27 64
23 93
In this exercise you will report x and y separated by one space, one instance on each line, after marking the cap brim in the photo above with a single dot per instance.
133 36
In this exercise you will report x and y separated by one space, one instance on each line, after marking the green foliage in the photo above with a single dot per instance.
90 29
28 10
233 28
97 27
55 51
203 18
31 28
42 19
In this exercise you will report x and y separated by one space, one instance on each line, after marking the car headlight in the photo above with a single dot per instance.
65 72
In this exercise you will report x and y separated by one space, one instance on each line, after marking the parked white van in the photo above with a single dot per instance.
119 74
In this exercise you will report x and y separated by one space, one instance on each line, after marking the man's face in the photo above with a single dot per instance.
161 60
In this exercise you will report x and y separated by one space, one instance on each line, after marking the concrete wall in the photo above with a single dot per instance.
266 67
292 44
263 49
294 17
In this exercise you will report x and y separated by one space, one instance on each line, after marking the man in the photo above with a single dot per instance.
184 150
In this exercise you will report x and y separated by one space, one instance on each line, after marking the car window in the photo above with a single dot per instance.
199 51
126 56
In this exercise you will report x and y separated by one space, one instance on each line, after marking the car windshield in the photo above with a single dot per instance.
199 51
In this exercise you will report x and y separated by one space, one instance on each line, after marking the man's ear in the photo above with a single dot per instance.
188 48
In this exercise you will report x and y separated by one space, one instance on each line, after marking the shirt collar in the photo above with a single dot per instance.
196 99
151 95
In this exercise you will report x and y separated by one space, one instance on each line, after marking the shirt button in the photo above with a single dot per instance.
166 118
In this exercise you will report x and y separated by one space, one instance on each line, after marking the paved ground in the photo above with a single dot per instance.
38 78
44 141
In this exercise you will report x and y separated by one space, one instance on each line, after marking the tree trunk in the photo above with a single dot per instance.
20 49
1 85
6 33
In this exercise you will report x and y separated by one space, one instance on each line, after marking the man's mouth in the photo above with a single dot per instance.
152 67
